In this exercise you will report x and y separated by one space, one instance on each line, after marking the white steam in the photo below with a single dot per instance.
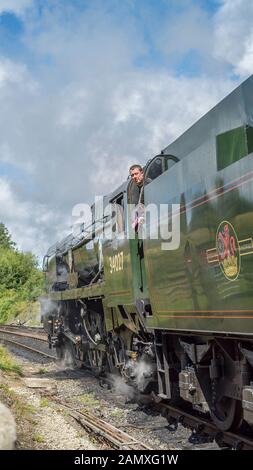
47 307
122 388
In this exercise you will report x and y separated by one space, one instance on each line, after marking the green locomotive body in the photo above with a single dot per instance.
193 288
186 314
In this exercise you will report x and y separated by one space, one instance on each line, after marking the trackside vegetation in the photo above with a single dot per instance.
7 363
21 281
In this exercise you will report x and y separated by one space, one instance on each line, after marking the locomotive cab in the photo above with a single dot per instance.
158 165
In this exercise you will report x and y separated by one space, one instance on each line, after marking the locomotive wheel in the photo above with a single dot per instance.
227 414
94 325
116 355
96 359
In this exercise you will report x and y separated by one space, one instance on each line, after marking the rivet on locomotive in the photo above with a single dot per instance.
178 323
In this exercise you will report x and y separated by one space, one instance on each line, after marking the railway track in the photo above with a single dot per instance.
116 437
39 337
28 348
201 426
9 333
11 326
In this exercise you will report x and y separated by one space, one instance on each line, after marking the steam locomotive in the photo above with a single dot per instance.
178 323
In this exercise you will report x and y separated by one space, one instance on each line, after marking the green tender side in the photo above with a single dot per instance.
192 288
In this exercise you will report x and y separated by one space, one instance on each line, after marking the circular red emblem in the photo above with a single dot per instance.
228 250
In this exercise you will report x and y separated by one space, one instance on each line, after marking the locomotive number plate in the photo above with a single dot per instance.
116 262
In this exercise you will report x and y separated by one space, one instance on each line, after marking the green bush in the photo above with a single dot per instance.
8 301
21 281
17 269
7 363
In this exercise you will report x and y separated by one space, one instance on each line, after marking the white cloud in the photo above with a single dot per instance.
16 75
75 122
28 221
188 29
234 35
74 108
14 6
9 72
147 116
80 141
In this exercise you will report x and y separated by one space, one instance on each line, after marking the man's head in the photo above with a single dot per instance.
137 174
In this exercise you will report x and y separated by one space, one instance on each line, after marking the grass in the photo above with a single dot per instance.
38 438
89 400
7 363
20 409
44 402
117 413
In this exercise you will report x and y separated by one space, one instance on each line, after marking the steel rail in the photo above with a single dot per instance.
119 439
26 335
22 326
122 440
21 345
234 440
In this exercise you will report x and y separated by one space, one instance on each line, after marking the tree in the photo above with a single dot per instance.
5 238
18 270
21 280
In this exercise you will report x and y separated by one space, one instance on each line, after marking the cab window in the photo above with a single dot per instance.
118 214
159 165
155 169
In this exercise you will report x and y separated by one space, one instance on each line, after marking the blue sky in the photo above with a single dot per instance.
88 87
148 16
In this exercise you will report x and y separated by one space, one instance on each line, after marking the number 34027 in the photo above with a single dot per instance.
116 262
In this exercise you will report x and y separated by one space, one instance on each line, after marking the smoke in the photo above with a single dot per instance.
138 373
142 371
47 307
120 387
